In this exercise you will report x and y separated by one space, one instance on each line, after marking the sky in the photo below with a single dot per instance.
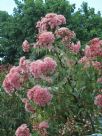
8 5
97 4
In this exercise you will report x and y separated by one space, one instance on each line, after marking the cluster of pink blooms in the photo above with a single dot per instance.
39 68
43 124
26 46
45 39
94 49
99 80
24 65
19 74
65 34
75 48
41 96
16 76
12 82
23 130
97 65
51 21
41 128
85 61
98 100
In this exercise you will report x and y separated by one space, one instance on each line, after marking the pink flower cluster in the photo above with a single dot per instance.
24 65
51 21
41 128
46 66
97 65
99 80
65 34
98 100
43 124
85 61
75 47
41 96
19 74
26 46
16 76
88 62
23 130
45 39
12 82
94 49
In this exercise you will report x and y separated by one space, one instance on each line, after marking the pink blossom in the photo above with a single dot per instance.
97 65
24 65
12 82
23 130
42 25
24 69
65 34
15 69
55 20
75 47
43 125
41 96
62 19
86 61
15 80
22 61
30 93
36 68
39 68
51 20
88 52
98 100
94 41
94 49
16 76
99 80
8 86
26 46
50 15
46 39
50 64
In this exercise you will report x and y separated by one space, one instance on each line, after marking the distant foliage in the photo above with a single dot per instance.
14 29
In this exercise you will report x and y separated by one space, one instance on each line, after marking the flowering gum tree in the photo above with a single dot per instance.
62 90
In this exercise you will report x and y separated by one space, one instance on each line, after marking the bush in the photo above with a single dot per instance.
61 87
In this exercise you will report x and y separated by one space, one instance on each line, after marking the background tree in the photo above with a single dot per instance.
14 29
86 23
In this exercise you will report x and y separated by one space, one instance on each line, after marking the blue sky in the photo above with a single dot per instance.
8 5
97 4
